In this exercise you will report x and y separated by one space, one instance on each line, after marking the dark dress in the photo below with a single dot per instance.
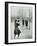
17 31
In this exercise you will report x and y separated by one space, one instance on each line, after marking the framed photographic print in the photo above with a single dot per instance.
20 22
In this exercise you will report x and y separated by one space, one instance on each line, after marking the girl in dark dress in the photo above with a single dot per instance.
16 31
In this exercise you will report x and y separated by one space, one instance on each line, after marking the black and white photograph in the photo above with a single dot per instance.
21 22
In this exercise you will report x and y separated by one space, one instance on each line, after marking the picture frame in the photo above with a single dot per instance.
14 11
